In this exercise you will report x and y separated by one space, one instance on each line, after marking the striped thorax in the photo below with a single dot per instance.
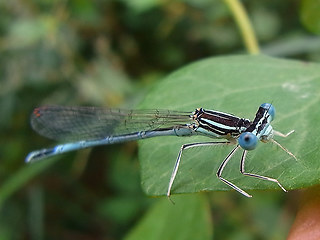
218 124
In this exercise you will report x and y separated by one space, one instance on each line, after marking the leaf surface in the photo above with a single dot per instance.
164 220
237 85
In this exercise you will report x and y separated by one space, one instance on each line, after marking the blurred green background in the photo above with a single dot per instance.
110 53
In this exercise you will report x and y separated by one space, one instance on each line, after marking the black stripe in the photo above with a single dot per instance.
218 132
223 118
261 114
203 123
201 116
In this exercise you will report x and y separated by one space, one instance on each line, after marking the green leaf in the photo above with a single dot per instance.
238 85
310 15
189 218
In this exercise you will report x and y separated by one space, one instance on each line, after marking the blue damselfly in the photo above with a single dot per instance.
86 127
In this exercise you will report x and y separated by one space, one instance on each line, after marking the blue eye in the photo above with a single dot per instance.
248 141
271 109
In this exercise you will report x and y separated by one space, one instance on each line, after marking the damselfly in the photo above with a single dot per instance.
86 127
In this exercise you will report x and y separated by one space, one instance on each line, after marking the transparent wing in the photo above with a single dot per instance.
86 123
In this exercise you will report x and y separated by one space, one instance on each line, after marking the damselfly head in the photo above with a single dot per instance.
270 110
248 141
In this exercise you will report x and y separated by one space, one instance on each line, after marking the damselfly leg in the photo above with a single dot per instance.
280 134
220 170
226 160
185 147
279 145
242 170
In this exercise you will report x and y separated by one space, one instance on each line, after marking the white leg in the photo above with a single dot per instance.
284 149
220 170
243 158
184 147
280 134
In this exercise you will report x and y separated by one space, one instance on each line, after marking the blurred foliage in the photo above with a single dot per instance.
110 53
310 16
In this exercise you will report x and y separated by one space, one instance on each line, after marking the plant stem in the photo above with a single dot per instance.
243 22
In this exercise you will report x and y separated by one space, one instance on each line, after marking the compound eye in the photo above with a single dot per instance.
248 141
270 108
